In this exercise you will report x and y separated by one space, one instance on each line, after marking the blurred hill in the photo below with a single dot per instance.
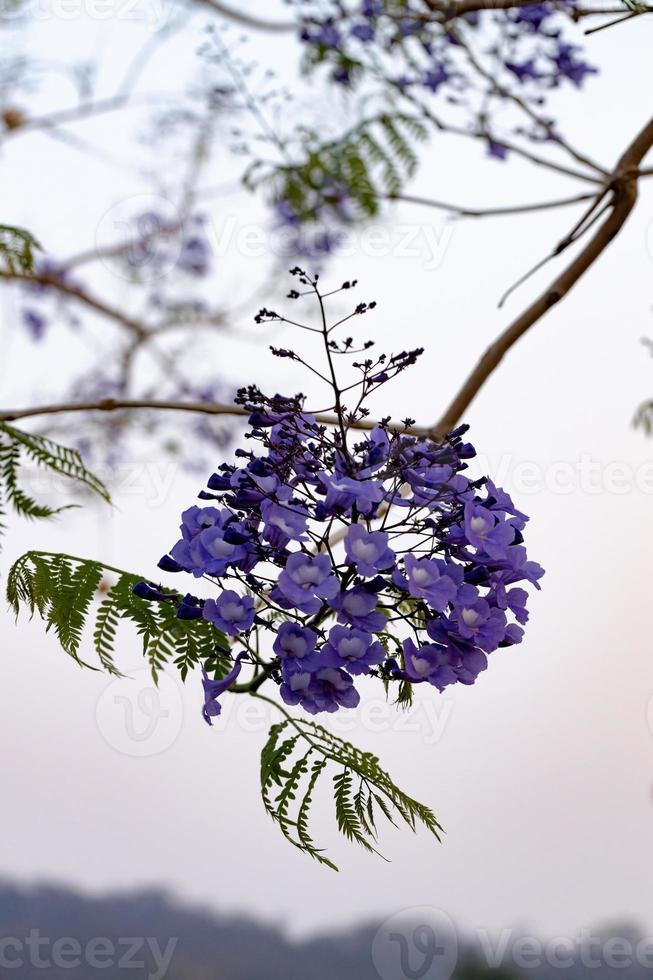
62 934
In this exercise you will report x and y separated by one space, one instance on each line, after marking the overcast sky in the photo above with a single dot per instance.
542 773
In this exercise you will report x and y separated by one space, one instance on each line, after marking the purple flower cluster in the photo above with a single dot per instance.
417 55
445 570
339 35
357 553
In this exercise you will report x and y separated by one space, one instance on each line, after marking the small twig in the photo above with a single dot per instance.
624 185
465 212
613 23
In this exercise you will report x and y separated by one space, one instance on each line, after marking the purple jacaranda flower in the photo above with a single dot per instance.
376 450
294 645
327 690
486 533
35 323
428 662
211 541
363 32
305 583
465 659
516 567
371 8
368 550
298 688
286 213
197 519
354 649
472 663
403 82
194 256
436 77
328 35
513 599
213 690
152 593
514 634
357 607
433 481
341 75
534 15
343 492
408 27
497 150
333 689
253 484
477 620
190 607
432 579
230 612
570 66
283 522
168 564
499 500
524 72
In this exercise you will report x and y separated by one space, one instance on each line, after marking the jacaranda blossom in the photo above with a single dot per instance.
339 553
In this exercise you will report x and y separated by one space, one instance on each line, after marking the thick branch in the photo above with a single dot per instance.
248 20
624 184
68 289
116 404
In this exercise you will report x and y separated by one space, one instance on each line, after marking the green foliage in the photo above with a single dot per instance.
644 414
644 418
61 590
74 598
17 249
17 446
295 756
370 162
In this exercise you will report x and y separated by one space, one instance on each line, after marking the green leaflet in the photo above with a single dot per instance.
370 162
297 753
17 248
61 590
15 447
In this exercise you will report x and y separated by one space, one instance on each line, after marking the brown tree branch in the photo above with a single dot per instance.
117 404
464 212
624 197
249 20
76 292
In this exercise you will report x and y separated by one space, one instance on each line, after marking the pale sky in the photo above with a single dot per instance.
542 772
